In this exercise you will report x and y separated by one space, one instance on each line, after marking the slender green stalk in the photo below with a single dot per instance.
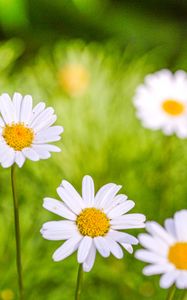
79 283
171 293
165 174
17 233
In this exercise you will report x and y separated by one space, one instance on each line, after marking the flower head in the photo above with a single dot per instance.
93 222
25 132
161 102
166 250
74 79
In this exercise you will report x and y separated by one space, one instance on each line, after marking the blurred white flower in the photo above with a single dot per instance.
166 250
25 132
92 222
161 102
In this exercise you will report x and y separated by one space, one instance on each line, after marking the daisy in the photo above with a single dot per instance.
25 132
161 102
93 222
166 250
74 79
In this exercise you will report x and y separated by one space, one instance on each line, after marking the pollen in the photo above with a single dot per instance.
93 222
173 107
177 255
18 136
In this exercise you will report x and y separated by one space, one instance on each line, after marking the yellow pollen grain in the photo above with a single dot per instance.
18 136
177 255
93 222
173 107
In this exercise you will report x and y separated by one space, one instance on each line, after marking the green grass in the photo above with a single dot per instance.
102 138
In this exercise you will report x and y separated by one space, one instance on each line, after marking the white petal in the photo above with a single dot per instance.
180 219
108 197
84 248
127 247
121 198
17 100
43 154
129 219
118 199
170 227
157 269
88 191
122 237
115 249
30 154
102 191
121 209
149 257
67 248
36 111
9 160
102 246
19 159
89 262
168 279
7 109
47 123
181 281
42 140
4 150
47 147
62 224
70 202
43 119
2 123
126 226
156 230
154 244
72 192
58 208
48 132
26 109
58 230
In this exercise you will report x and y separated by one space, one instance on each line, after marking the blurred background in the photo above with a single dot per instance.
86 58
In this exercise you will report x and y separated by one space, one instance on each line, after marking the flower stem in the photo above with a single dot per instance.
79 283
171 293
17 233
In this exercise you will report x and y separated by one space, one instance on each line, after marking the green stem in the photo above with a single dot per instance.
17 233
171 293
165 173
79 283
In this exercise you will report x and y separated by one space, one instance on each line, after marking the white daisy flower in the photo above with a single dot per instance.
161 102
92 222
166 250
25 132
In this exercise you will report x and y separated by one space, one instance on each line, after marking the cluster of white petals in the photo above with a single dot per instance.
107 214
26 131
161 102
166 250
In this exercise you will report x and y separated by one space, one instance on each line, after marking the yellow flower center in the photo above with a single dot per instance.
177 255
93 222
7 295
17 136
74 79
173 107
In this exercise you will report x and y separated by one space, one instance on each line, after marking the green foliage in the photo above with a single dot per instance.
102 138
